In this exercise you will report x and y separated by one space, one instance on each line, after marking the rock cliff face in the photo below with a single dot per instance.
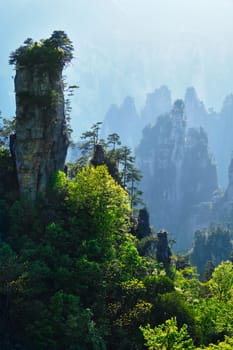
229 191
125 121
157 103
223 145
41 141
178 174
218 127
159 157
195 109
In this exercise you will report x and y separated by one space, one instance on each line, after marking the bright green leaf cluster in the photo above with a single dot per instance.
167 337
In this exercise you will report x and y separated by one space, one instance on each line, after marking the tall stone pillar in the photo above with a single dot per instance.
41 133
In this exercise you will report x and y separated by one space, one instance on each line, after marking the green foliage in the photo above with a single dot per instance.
227 344
221 302
90 139
221 283
147 245
119 161
113 140
212 244
6 168
173 304
50 53
157 285
12 282
206 311
211 301
71 276
97 195
7 128
48 58
186 280
167 337
181 261
72 248
66 324
8 184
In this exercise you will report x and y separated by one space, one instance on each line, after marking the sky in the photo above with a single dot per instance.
126 47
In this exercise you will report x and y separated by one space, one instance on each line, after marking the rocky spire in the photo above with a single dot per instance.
157 103
99 156
41 133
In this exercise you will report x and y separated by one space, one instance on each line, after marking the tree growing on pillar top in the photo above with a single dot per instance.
50 53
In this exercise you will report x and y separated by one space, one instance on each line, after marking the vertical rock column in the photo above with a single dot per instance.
41 133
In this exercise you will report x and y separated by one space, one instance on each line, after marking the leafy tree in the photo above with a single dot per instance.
221 283
157 285
186 280
55 51
167 337
95 193
90 138
173 304
126 161
133 178
211 302
60 41
66 325
113 140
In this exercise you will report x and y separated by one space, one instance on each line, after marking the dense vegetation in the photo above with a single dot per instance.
117 158
72 276
79 272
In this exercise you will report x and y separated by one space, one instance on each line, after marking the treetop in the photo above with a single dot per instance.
54 51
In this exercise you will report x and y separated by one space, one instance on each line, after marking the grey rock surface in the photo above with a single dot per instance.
41 139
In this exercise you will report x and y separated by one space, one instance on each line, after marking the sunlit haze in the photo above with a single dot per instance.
127 47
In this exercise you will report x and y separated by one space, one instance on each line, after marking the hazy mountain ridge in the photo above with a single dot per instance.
217 125
178 173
